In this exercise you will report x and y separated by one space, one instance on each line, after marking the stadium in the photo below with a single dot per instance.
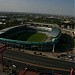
31 37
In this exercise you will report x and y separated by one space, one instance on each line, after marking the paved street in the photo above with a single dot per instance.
39 61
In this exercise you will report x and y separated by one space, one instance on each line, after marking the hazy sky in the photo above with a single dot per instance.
64 7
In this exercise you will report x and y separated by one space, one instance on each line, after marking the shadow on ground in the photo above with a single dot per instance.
66 43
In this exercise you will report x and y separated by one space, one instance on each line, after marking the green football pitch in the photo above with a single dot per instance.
38 37
32 37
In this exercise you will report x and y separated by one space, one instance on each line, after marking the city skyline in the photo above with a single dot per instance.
60 7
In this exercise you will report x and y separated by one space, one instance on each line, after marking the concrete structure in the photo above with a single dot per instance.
54 32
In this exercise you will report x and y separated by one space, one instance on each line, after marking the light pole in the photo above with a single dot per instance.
53 50
53 41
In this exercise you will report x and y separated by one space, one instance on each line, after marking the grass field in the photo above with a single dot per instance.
25 36
33 37
38 37
28 36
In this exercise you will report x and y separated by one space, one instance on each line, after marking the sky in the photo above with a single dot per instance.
60 7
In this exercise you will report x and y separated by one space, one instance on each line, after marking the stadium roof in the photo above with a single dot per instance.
55 32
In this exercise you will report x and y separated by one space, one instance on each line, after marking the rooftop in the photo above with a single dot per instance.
24 72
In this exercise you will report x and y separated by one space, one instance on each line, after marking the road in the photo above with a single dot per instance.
44 62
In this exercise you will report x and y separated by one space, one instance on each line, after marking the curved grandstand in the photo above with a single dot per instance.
32 37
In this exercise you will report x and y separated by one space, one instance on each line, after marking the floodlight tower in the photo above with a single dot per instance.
2 49
53 41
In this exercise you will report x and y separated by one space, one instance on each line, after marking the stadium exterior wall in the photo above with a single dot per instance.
55 32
